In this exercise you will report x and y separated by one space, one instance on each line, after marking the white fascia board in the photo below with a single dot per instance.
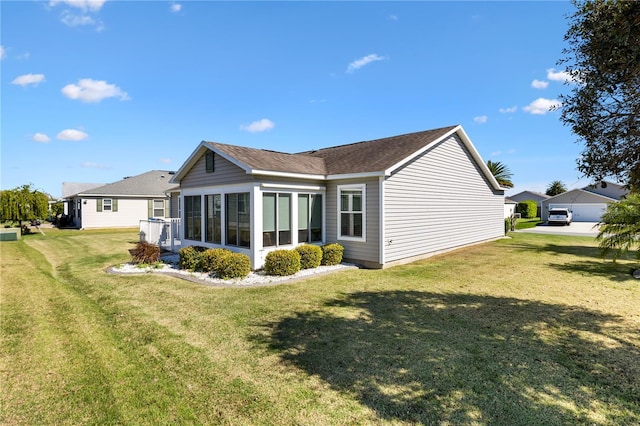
267 185
355 175
286 174
123 195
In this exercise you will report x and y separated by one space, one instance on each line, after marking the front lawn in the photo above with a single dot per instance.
534 329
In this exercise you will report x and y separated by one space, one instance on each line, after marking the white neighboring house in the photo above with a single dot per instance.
509 207
587 204
121 204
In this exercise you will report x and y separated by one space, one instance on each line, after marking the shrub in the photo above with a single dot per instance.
282 262
145 253
310 256
528 209
233 265
191 257
211 259
332 254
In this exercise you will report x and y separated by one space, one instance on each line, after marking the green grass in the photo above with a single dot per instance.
527 223
533 329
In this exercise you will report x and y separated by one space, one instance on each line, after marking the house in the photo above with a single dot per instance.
387 201
538 197
121 204
587 204
509 207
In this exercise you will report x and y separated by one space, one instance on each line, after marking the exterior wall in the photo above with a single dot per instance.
130 212
509 209
365 253
438 202
175 205
225 173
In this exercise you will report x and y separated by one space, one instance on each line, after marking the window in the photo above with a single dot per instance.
276 219
351 201
238 225
213 216
309 218
106 205
158 208
193 217
209 162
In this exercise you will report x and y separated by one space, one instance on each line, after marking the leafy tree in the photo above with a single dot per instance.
501 172
556 187
603 107
23 204
620 232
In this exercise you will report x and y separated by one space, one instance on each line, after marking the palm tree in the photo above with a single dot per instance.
620 229
556 187
501 173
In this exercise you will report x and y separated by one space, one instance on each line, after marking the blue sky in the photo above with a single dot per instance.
92 91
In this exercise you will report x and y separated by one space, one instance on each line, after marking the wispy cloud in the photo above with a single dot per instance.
541 106
84 5
539 84
258 126
365 60
561 76
176 7
92 165
509 110
72 135
481 119
394 18
72 18
88 90
3 52
27 79
41 138
165 160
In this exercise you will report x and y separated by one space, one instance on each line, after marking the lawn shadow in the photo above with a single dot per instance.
426 358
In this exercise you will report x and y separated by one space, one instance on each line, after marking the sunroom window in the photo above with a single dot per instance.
238 224
213 218
193 217
309 218
276 219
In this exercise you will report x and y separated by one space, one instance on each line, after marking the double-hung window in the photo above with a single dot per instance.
352 214
158 208
309 218
276 219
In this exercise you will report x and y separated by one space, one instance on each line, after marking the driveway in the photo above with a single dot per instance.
583 229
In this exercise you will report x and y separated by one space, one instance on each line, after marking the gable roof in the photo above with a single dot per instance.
529 195
150 184
70 189
579 195
379 157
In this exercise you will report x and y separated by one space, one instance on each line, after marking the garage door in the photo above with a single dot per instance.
584 212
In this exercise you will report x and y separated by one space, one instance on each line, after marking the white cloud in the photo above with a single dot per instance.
73 20
72 135
176 7
92 165
84 5
509 110
165 160
481 119
393 17
541 106
258 126
3 52
538 84
562 76
27 79
41 138
359 63
88 90
496 153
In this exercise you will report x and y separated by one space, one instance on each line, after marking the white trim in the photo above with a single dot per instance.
381 216
292 187
355 175
286 174
352 187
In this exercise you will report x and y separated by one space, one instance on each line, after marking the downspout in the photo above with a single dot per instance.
381 215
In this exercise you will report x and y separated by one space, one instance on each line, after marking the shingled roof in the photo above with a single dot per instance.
150 184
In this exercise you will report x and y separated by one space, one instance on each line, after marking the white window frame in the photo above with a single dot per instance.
354 187
110 205
157 208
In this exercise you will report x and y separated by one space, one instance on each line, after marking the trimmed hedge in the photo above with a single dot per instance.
233 265
145 253
332 254
310 256
282 262
211 259
191 257
528 209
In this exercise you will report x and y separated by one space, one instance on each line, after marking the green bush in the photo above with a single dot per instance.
282 262
212 258
528 209
191 257
332 254
233 265
310 256
145 253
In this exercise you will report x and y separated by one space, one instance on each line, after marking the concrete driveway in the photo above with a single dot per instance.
583 229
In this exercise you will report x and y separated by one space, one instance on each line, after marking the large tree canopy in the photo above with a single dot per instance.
23 203
603 107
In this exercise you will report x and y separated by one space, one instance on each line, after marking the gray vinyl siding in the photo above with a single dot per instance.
366 253
175 204
439 201
225 173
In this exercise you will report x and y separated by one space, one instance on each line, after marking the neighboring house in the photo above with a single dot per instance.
587 204
509 207
387 201
120 204
538 197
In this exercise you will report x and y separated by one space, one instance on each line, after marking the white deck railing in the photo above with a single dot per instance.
163 232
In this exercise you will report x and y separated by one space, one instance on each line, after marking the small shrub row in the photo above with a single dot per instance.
145 253
288 262
223 263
